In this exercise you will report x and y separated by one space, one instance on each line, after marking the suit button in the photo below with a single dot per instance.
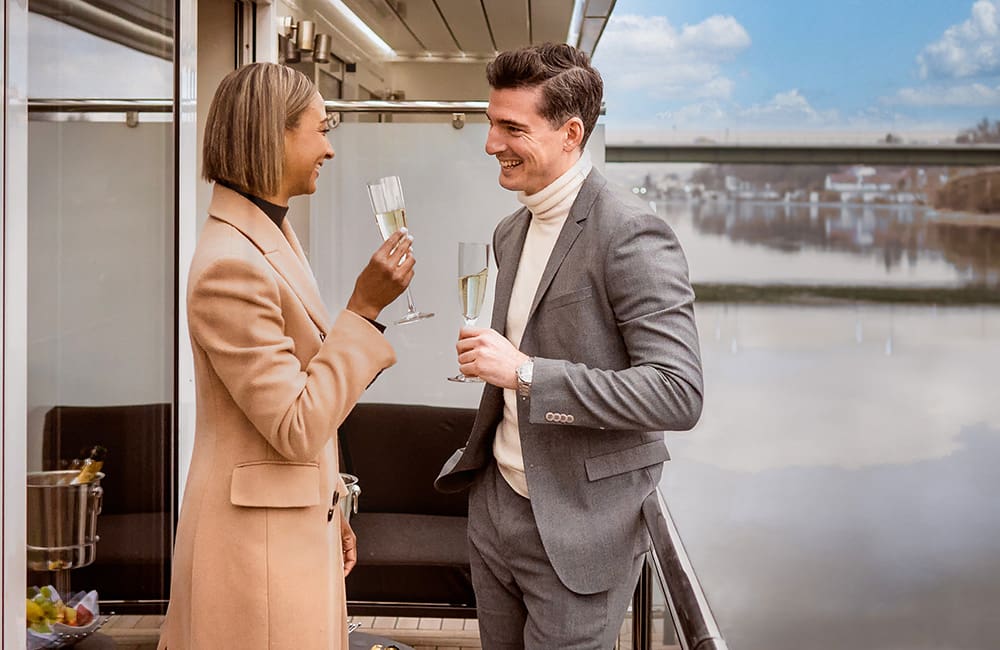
550 417
569 418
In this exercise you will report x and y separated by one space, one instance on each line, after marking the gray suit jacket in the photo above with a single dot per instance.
613 335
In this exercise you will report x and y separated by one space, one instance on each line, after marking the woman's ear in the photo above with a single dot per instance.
574 133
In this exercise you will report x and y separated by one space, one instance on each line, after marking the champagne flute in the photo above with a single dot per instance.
473 265
386 195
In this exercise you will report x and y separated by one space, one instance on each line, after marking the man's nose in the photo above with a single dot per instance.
330 153
494 145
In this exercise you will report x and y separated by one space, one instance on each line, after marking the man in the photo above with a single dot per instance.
593 352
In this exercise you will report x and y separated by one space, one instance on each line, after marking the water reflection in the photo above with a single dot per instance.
836 496
871 244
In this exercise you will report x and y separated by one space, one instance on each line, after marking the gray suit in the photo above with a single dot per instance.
613 335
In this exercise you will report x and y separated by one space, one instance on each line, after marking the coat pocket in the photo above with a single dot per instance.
275 484
627 460
569 298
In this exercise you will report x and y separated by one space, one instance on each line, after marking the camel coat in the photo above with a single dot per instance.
258 563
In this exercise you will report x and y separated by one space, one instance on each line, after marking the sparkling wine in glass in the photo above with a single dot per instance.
386 195
473 265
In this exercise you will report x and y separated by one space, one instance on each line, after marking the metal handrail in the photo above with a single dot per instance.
693 620
409 106
808 154
100 105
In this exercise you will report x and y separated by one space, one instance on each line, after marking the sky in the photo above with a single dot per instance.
726 69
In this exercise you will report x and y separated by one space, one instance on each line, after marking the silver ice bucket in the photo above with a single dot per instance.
349 504
62 520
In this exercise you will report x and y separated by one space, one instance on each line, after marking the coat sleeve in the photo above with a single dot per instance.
235 316
653 303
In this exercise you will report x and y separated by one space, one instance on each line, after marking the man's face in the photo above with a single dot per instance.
530 151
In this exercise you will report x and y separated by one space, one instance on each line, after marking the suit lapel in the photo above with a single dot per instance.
512 245
578 214
281 248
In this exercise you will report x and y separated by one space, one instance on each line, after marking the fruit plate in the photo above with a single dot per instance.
64 635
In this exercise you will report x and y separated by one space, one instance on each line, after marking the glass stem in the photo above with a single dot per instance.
409 301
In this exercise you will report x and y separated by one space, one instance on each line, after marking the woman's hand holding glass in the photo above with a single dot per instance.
386 196
388 274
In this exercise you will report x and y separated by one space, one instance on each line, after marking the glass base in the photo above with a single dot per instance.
465 380
413 317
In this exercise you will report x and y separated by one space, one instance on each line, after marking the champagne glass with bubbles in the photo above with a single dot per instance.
473 262
386 195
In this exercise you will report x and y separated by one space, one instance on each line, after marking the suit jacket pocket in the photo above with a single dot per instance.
564 299
627 460
275 484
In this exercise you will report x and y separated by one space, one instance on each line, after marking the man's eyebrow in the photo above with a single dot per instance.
505 122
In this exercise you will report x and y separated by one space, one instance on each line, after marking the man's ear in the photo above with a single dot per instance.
574 133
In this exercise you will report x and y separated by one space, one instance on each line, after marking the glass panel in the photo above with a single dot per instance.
859 226
839 464
101 303
791 71
452 195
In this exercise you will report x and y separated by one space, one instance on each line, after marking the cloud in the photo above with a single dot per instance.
668 63
975 94
787 109
969 49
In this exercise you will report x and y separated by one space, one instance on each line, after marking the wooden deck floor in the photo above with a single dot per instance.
142 632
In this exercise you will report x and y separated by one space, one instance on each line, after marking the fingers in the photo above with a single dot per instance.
350 545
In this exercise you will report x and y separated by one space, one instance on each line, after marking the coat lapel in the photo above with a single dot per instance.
578 213
281 248
511 247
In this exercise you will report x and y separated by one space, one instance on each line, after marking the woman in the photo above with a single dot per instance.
262 549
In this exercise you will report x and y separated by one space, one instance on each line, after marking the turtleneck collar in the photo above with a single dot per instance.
543 204
274 212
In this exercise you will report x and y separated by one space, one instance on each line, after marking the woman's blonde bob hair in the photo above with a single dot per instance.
245 133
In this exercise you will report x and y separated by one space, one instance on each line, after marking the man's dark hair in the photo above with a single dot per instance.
571 87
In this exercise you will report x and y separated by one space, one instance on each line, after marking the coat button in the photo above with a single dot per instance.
329 514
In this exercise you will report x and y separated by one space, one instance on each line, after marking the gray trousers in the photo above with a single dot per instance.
520 601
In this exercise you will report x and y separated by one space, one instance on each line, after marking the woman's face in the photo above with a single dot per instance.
306 147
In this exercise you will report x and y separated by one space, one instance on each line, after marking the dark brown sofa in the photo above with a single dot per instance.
413 555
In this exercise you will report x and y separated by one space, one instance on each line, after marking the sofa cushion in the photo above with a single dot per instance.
388 539
397 450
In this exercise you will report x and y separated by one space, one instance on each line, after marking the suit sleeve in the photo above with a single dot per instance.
235 316
648 287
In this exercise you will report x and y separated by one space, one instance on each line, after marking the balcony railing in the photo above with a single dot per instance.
668 564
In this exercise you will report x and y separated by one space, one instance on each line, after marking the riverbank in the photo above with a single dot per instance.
816 294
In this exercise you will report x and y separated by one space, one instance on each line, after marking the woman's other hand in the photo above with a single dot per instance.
387 275
349 542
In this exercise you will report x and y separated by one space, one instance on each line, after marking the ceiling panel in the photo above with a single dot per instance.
423 19
550 20
509 20
598 7
383 21
469 24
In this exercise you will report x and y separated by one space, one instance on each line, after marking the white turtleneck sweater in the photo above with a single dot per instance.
549 208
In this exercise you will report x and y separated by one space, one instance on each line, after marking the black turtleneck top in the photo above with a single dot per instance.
276 213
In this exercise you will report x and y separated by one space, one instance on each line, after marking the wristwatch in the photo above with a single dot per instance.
523 374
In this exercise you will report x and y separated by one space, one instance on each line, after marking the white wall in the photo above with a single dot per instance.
452 195
100 267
